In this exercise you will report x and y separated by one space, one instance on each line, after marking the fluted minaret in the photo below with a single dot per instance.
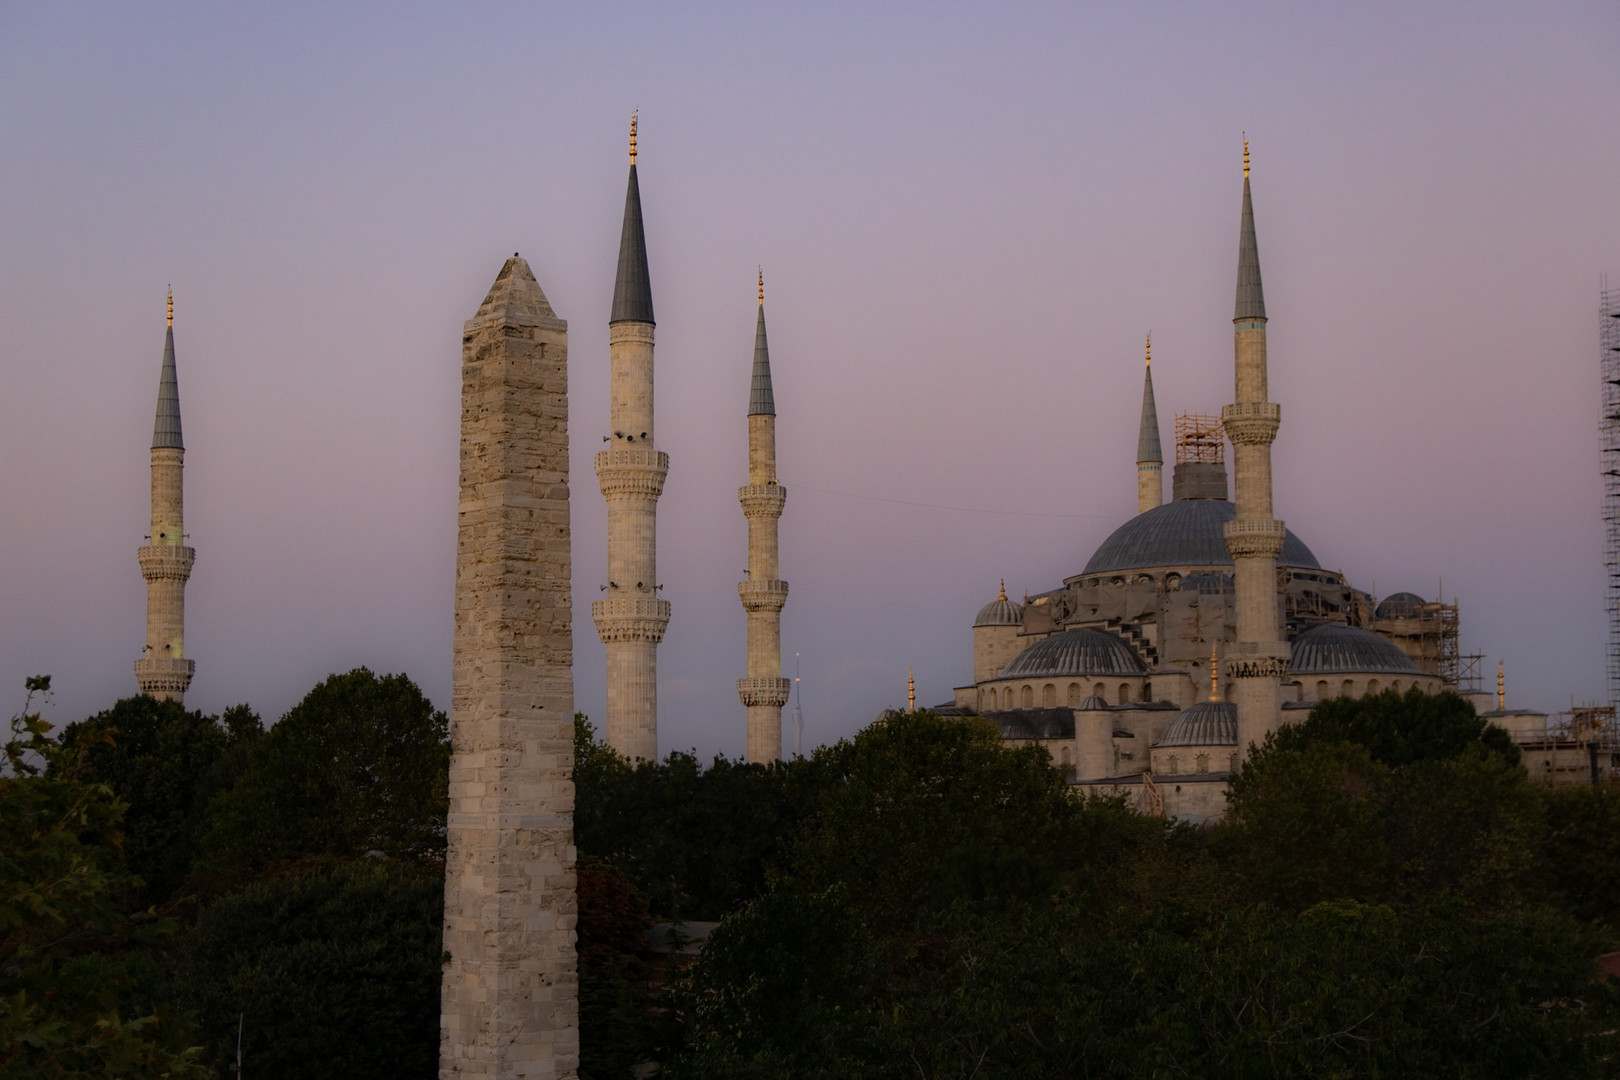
1254 539
764 691
1149 454
163 670
630 619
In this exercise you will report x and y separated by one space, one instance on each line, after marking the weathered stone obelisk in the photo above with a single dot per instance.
763 595
631 618
1257 659
510 1004
163 670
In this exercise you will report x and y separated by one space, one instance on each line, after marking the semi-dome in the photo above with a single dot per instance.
1401 605
1206 723
1075 652
1332 649
1187 532
1093 703
1000 612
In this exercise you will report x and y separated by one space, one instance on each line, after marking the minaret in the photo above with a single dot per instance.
631 618
163 670
509 999
1149 454
1256 660
764 691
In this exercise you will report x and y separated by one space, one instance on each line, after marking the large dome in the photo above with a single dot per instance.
1332 650
1075 652
1000 612
1188 532
1402 605
1204 723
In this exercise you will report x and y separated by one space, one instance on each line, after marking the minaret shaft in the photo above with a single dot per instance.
763 692
163 670
1149 452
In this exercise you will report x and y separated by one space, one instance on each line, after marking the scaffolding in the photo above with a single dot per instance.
1200 439
1609 343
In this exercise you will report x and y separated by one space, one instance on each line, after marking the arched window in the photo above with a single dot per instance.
1396 686
1231 762
1372 686
1063 757
1075 694
1203 763
1049 696
1174 765
1321 690
1147 691
1349 688
1029 697
1124 693
1101 691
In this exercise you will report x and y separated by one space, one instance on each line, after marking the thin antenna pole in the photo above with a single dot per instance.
798 716
240 1018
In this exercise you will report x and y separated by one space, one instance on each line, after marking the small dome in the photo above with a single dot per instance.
1000 612
1206 723
1331 650
1075 652
1093 703
1188 532
1401 605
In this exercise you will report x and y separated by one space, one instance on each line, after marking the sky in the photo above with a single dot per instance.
968 216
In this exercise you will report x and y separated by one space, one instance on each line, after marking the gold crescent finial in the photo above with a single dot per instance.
1214 674
762 286
633 115
1501 688
1150 349
1245 155
171 305
1003 595
911 691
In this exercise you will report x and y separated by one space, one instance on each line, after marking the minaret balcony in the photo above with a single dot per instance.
771 692
631 618
1251 539
632 471
166 562
164 674
762 500
1251 422
763 595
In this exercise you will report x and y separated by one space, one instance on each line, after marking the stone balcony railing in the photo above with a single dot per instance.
763 595
166 562
632 471
631 618
773 692
762 500
164 674
1254 539
1250 422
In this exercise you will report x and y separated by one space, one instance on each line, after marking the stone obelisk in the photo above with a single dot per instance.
764 691
630 617
163 670
1257 659
510 1003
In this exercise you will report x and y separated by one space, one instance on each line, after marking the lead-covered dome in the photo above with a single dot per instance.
1000 612
1188 532
1075 652
1401 605
1332 650
1206 723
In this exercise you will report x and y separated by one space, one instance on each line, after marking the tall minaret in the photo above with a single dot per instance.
1149 455
631 618
163 670
764 691
1257 659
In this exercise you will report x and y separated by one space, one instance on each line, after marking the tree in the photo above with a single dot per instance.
1399 729
164 763
361 765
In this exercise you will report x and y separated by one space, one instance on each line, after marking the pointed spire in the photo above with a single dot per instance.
166 428
632 289
911 691
761 401
516 295
1003 595
1501 689
1148 448
1251 300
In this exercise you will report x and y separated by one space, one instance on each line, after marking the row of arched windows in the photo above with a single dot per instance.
1024 697
1347 688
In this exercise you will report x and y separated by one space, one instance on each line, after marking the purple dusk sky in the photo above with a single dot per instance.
968 216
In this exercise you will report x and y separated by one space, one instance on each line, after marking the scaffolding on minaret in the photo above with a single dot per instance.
1609 343
1199 439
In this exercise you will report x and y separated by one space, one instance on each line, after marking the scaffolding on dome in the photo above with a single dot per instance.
1609 343
1199 439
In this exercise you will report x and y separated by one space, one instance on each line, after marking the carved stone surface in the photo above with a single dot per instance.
769 693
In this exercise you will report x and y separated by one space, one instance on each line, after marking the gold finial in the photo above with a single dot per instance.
171 305
911 691
633 114
1245 155
1501 688
1150 349
1214 674
1003 595
762 286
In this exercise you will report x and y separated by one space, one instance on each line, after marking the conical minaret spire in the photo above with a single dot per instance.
630 618
1149 453
763 691
1256 661
163 670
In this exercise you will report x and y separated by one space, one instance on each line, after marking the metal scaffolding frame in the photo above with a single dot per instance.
1609 344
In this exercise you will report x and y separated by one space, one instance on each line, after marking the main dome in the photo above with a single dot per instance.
1331 649
1187 532
1075 652
1204 723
